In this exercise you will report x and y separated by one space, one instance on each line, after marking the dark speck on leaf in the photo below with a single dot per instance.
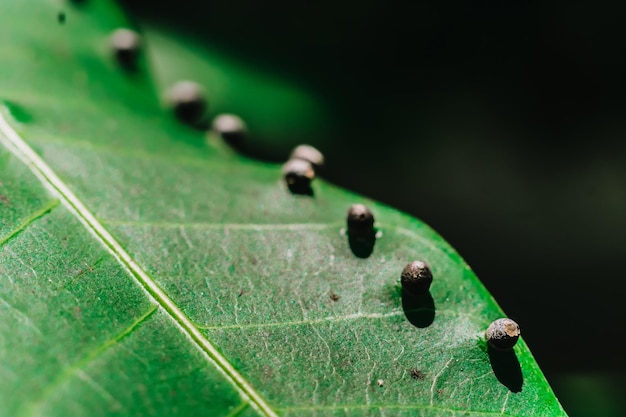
61 18
417 375
334 296
242 292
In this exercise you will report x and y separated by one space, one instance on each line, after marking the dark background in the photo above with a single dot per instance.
500 124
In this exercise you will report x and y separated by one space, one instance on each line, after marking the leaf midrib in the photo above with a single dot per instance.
17 146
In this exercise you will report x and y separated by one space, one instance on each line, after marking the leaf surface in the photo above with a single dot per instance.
145 271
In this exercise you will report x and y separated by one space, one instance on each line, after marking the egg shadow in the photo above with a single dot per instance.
418 309
235 140
362 245
301 188
193 114
128 60
506 367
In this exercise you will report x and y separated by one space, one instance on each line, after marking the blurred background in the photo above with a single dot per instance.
500 124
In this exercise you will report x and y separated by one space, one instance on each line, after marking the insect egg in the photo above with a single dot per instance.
298 175
502 334
416 278
188 100
230 127
308 153
126 45
360 220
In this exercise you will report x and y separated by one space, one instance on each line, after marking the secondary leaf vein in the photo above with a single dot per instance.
219 226
90 357
30 220
239 409
416 407
331 319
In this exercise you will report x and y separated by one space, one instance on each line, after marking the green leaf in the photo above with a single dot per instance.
147 271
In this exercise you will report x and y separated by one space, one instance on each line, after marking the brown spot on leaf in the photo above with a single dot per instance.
334 296
416 374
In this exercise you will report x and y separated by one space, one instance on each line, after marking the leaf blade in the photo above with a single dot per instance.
47 353
14 143
226 219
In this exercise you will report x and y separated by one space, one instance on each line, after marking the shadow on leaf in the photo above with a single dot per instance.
506 367
362 245
301 189
418 309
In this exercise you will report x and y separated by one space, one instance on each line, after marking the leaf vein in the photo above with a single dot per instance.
218 226
432 387
77 367
331 319
271 226
15 144
390 407
30 220
303 322
239 409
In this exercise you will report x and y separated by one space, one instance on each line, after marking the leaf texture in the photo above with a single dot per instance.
147 271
